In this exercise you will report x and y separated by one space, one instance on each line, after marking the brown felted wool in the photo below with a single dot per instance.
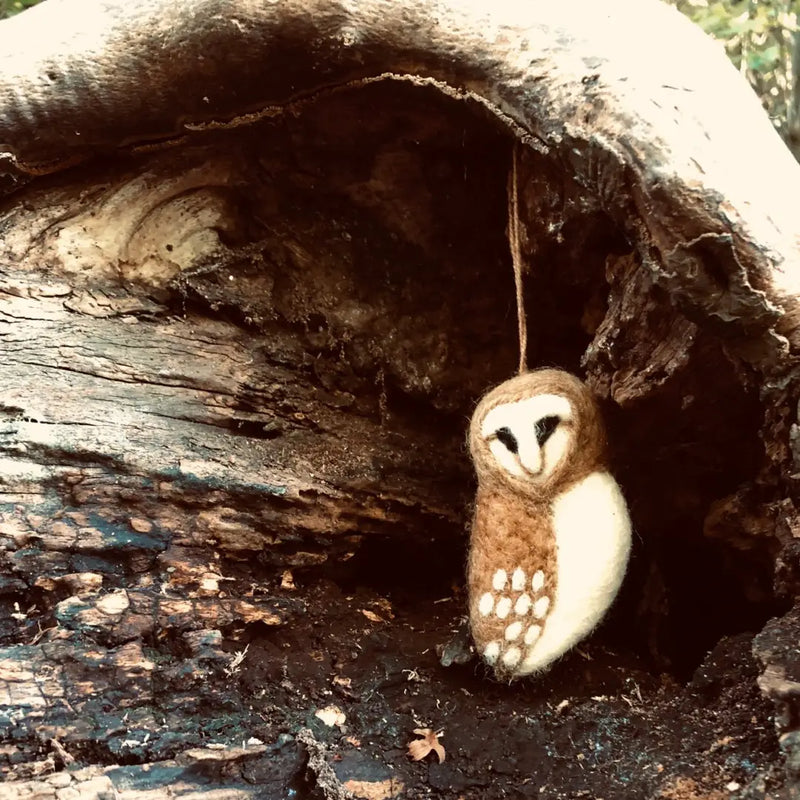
513 558
509 536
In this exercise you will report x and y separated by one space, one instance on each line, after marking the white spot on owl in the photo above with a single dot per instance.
513 631
503 607
499 580
523 605
512 656
532 634
486 604
491 653
537 581
540 607
518 580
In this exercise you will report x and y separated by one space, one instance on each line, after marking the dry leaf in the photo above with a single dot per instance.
371 615
384 606
420 748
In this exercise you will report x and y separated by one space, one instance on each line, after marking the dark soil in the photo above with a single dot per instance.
601 724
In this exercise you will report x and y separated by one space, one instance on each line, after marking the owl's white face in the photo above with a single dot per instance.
529 438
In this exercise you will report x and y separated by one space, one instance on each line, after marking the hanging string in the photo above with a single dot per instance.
516 257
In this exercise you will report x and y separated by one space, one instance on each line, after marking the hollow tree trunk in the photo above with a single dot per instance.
254 276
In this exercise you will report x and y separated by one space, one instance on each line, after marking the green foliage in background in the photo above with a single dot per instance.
10 7
760 38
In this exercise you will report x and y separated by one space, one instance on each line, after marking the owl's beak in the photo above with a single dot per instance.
530 457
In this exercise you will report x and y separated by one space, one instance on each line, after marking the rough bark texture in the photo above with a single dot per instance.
253 277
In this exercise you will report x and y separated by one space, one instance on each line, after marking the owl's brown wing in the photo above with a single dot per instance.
511 578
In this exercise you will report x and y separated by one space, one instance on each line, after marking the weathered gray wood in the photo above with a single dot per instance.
655 138
241 337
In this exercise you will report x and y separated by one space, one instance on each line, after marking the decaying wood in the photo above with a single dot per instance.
253 276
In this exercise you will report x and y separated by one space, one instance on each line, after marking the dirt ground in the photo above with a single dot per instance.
351 675
326 704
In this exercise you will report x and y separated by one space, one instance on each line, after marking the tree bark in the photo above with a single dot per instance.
254 277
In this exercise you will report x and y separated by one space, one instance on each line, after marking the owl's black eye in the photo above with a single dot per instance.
545 427
508 439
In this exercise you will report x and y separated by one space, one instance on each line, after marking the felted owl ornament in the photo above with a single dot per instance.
551 534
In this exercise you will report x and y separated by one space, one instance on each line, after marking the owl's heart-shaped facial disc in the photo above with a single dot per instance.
528 436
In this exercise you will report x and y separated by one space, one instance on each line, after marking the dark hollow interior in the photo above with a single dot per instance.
372 226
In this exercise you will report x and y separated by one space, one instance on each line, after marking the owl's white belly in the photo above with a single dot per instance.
593 541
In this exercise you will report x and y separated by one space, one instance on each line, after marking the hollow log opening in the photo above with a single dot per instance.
363 248
414 315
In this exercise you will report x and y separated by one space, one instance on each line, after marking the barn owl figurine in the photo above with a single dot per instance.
551 533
